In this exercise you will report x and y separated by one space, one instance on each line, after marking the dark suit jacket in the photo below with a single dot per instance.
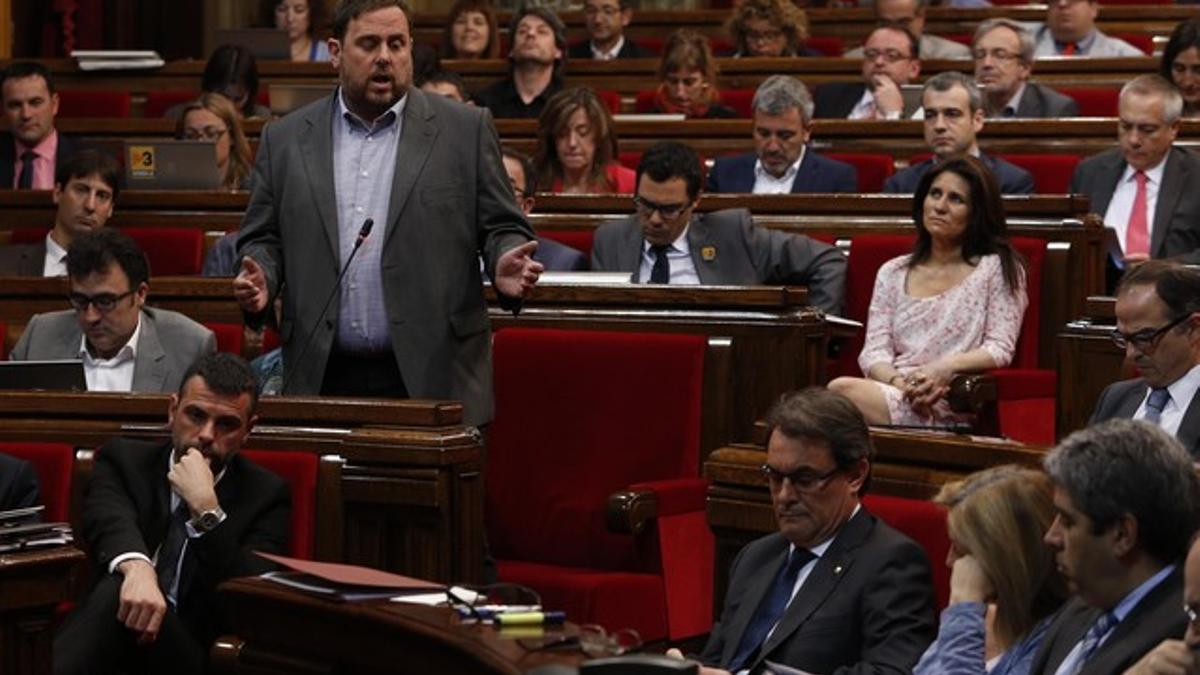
8 155
18 483
1013 179
23 260
127 510
451 201
629 50
866 607
1042 101
837 99
1156 618
816 174
1175 232
1120 400
559 257
729 249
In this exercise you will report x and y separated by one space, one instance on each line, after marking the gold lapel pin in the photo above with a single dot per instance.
837 569
708 253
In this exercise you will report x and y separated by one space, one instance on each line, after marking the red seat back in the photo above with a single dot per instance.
172 251
580 240
610 99
158 102
1034 252
740 100
925 523
630 159
1143 41
53 463
81 103
1094 101
867 255
580 415
1051 173
828 45
644 101
299 469
873 169
652 44
229 336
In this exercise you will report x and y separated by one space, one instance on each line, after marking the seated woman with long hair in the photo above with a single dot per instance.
302 20
212 117
1181 64
1004 587
688 76
471 31
577 147
953 305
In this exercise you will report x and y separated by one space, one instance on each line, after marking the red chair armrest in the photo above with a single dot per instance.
677 495
630 511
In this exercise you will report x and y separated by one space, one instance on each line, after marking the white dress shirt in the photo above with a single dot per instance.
1182 392
611 53
766 184
679 257
1121 205
55 263
115 374
866 109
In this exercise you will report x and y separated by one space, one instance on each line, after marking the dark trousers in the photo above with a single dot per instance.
92 641
366 376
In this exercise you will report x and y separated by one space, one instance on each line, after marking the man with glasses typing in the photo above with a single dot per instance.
836 590
667 242
891 58
1158 326
125 346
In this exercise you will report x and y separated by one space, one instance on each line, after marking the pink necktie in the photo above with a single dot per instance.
1137 234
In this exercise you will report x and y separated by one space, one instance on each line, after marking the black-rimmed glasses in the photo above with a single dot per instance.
1146 339
103 302
667 211
804 480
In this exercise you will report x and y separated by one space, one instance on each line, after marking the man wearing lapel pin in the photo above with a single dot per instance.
166 523
667 242
409 317
835 590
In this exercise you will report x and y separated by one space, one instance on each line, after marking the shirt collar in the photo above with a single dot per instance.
128 352
1081 46
679 245
819 549
386 119
611 53
1130 601
45 149
1184 389
53 249
788 176
1014 103
1153 175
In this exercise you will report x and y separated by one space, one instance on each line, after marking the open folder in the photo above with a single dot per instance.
347 583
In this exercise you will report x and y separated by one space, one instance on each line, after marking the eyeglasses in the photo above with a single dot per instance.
103 302
764 36
1144 340
205 134
647 208
889 55
608 11
803 480
997 54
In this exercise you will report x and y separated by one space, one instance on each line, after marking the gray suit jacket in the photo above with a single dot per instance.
1175 232
168 344
729 249
23 260
1042 101
1156 618
450 201
1120 400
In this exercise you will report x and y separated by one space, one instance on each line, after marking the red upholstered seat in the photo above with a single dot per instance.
873 169
229 336
580 240
610 99
1143 41
643 101
867 255
630 158
925 523
828 45
171 251
581 415
82 103
740 100
158 102
652 44
1094 101
1051 173
299 469
53 463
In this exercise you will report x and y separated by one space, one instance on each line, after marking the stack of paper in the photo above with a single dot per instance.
347 583
104 59
20 529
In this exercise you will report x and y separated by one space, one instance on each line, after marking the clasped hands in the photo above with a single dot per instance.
142 604
924 387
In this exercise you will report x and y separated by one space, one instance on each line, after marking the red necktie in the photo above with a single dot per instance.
1137 233
1068 49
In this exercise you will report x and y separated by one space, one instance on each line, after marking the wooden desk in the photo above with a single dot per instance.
280 629
907 464
1088 361
31 586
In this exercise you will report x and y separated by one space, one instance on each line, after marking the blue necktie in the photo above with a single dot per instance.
1091 640
771 609
1155 403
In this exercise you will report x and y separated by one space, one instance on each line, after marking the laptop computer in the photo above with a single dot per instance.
288 97
171 165
266 43
65 375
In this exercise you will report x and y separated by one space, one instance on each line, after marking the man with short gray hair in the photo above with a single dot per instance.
1147 189
953 109
1126 499
1003 53
781 161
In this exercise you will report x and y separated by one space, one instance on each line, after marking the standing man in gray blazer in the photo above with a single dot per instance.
1158 326
409 317
1147 189
125 346
666 242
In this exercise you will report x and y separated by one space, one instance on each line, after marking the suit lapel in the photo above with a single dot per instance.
806 174
149 368
1175 176
757 590
416 141
743 174
1189 428
708 271
1113 169
316 146
1132 400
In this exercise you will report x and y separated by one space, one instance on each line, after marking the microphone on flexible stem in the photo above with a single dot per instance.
363 233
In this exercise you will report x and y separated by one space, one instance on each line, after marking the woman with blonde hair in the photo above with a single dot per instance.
1004 586
212 117
688 76
768 28
577 146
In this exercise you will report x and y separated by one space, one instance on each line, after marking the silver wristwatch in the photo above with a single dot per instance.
208 520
